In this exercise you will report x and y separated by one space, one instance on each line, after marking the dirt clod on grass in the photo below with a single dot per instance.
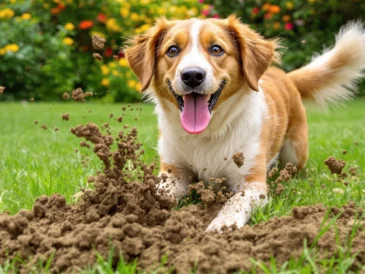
98 42
335 166
65 116
238 159
129 217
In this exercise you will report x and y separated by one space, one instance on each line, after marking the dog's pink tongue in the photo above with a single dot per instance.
195 116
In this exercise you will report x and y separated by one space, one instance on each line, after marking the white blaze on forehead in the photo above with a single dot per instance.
195 56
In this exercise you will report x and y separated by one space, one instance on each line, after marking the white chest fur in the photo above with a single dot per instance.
235 127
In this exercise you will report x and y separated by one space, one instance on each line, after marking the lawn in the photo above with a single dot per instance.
36 161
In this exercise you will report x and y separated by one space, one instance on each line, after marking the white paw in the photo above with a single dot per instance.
227 221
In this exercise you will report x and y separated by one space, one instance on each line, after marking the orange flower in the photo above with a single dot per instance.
86 24
286 18
55 11
274 9
266 6
101 18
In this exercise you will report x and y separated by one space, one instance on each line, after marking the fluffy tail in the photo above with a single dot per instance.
332 76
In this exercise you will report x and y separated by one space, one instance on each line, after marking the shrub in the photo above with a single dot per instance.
46 45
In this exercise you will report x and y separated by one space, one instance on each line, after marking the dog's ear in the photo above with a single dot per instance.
142 52
255 53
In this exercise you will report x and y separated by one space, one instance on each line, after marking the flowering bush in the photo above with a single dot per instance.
305 25
46 44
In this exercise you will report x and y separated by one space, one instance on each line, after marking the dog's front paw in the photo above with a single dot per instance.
222 221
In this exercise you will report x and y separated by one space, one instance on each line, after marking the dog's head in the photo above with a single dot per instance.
198 64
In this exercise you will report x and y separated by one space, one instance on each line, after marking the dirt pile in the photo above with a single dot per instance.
127 215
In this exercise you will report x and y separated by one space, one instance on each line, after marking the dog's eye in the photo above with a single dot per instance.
172 51
216 50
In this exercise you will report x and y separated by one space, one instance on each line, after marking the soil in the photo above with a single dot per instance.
2 89
97 56
128 215
65 116
98 42
238 159
335 166
79 96
66 96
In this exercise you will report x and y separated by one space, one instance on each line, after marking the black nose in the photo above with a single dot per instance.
193 77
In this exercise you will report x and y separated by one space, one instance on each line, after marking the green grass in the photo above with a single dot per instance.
34 162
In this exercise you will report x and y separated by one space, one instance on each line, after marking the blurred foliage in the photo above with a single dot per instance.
45 45
305 26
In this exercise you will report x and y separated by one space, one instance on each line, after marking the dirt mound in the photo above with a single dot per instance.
127 215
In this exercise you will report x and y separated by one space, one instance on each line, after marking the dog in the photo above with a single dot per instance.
216 93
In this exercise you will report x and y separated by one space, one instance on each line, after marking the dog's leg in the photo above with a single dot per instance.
250 194
295 148
174 180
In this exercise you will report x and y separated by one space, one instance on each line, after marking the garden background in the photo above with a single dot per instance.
45 46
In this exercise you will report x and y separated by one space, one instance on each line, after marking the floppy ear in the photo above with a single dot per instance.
142 50
255 53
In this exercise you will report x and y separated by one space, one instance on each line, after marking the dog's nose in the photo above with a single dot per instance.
193 77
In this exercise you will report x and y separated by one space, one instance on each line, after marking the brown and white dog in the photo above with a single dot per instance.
216 94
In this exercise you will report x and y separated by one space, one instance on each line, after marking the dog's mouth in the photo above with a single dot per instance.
195 108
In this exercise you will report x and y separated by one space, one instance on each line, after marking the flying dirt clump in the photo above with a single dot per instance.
238 159
2 89
79 96
66 96
98 42
130 218
335 166
97 56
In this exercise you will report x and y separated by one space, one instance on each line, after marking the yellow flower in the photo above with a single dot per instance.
123 62
131 83
115 73
276 26
69 26
46 5
289 5
145 27
104 69
134 16
69 1
105 82
161 10
68 41
112 25
112 64
124 12
26 16
12 47
6 13
138 86
2 51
